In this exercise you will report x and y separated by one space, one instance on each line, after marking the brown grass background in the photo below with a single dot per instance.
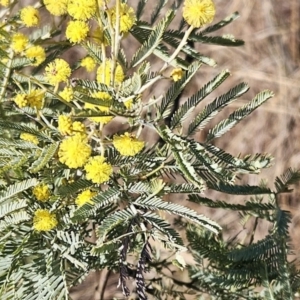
268 60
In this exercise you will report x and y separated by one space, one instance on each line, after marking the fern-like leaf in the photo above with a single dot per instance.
239 189
46 155
26 128
17 188
213 108
287 178
238 115
153 41
184 111
175 90
156 11
161 225
227 41
113 220
249 206
101 200
94 51
74 187
220 24
140 8
156 203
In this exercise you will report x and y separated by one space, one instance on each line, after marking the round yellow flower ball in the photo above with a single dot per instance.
57 71
127 145
77 31
74 151
43 220
198 12
56 8
37 54
30 16
97 170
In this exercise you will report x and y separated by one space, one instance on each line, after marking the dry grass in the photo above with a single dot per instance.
269 60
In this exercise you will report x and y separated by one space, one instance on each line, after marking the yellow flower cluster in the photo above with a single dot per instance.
127 144
85 197
78 127
34 99
99 37
30 16
5 2
29 138
67 127
128 104
56 8
104 73
43 220
88 63
103 96
198 12
57 71
67 93
77 31
37 54
176 74
82 9
127 17
97 170
41 192
74 151
19 42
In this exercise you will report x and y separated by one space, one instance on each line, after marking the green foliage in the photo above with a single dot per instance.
60 218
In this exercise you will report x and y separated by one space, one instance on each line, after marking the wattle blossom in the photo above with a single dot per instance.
74 151
36 54
198 12
127 144
127 17
104 73
34 99
67 93
85 197
57 71
97 170
30 16
43 220
29 138
64 125
77 31
82 9
19 42
56 7
176 74
88 63
41 192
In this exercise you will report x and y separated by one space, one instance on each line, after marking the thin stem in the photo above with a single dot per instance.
180 46
107 275
45 120
101 139
115 49
112 32
253 231
152 172
151 82
103 60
